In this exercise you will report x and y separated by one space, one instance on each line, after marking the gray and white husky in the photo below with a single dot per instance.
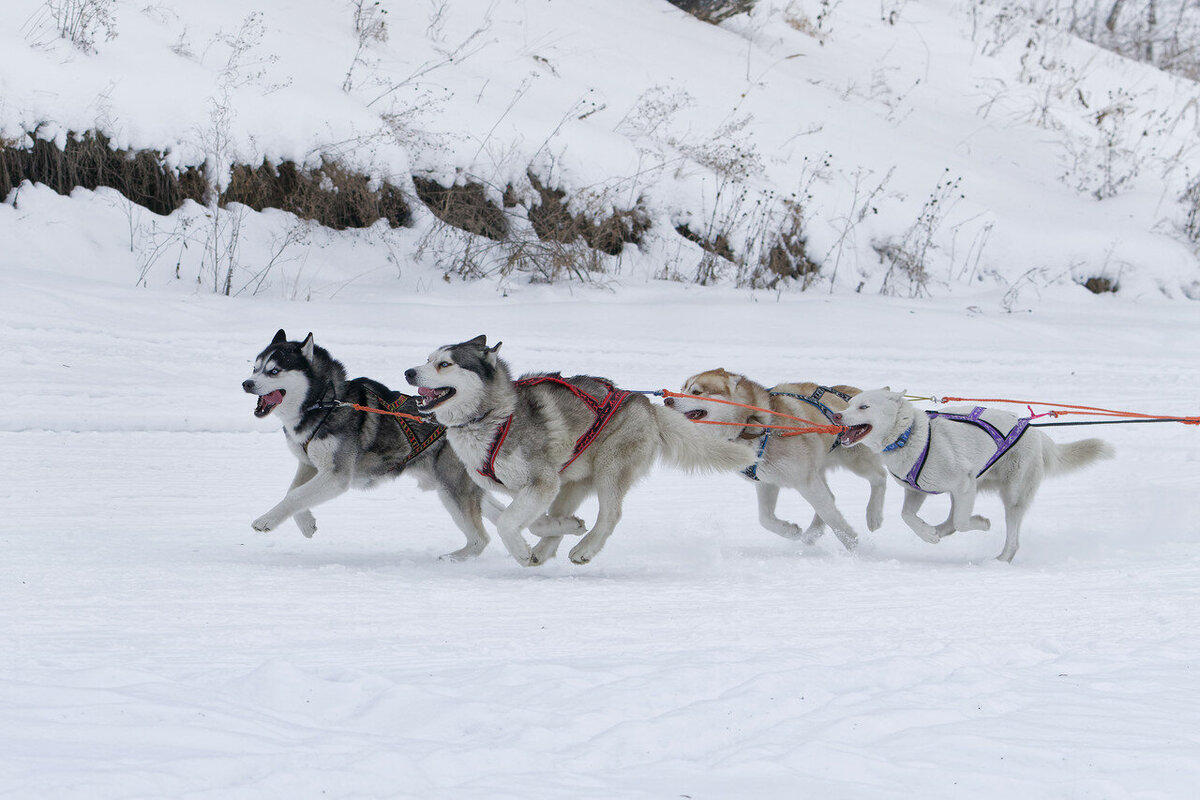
960 451
797 462
550 441
340 447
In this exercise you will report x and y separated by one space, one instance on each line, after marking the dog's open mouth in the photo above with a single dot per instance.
695 414
429 398
853 434
268 401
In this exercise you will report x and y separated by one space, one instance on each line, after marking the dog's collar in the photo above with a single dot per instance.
900 442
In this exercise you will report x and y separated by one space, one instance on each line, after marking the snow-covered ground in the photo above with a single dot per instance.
157 647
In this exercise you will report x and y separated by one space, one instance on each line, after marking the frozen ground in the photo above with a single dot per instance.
157 647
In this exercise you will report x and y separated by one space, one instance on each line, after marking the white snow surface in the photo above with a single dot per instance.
157 647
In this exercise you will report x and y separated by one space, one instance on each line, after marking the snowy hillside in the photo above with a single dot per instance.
911 148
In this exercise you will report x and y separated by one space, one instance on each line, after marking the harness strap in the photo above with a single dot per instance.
751 471
417 442
1003 443
603 411
489 467
814 399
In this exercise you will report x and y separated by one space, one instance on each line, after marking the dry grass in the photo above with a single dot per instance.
329 194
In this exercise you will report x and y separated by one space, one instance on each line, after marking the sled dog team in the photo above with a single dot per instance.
548 442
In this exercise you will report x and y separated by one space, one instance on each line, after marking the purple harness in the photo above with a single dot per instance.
1003 443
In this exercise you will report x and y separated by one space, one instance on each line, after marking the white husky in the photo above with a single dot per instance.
961 451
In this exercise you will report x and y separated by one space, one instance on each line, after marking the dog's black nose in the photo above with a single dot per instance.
248 385
410 375
669 402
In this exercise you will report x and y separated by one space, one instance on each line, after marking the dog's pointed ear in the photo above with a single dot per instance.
480 340
306 347
493 350
280 336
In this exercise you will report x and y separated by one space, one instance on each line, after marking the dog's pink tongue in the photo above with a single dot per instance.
273 398
425 391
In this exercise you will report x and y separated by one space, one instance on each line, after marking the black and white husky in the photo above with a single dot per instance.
550 441
960 451
340 447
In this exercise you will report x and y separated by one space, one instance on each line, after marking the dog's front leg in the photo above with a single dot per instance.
527 505
304 519
768 497
322 487
913 500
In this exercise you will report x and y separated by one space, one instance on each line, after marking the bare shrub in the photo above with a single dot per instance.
1191 209
818 27
89 161
907 257
786 257
1161 32
370 26
1099 284
463 206
714 11
80 22
553 221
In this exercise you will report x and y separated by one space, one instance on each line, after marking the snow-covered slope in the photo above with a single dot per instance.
925 148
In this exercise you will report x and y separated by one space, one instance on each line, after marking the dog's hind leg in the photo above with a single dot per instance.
1016 503
913 500
818 494
559 521
962 503
611 487
464 510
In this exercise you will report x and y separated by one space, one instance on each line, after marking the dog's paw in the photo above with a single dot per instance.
810 536
546 526
789 530
463 553
582 553
874 518
927 533
979 523
545 549
307 523
264 524
849 540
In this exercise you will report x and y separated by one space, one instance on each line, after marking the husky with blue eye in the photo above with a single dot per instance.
339 447
960 451
550 442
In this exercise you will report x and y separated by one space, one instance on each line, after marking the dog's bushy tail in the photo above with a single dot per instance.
686 446
1059 458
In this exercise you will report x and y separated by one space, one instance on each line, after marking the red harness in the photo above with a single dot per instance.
603 409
